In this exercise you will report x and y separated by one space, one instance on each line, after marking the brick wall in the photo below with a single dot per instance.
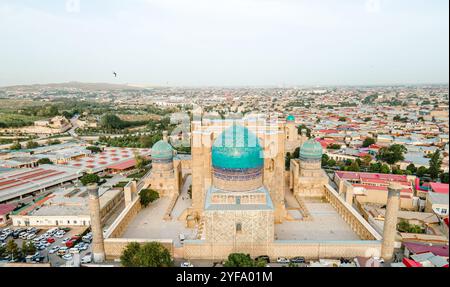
198 249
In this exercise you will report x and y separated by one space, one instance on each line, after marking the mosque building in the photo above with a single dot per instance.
165 176
307 178
238 207
242 199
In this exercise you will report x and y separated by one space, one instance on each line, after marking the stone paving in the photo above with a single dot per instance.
326 225
149 223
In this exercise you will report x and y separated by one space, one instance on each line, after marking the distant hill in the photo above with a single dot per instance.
74 85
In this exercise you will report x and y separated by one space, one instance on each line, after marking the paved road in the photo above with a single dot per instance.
73 121
211 263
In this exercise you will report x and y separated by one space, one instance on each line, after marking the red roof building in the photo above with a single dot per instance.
123 165
325 143
6 208
376 181
439 187
411 263
374 146
418 248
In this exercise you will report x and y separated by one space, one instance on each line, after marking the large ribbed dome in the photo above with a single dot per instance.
237 148
162 150
311 150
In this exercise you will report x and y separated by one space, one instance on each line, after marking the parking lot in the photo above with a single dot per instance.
59 241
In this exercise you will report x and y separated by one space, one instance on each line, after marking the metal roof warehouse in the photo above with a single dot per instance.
20 182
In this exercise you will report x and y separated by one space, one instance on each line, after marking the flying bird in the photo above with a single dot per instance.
115 74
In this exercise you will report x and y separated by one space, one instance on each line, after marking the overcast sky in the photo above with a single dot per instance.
225 42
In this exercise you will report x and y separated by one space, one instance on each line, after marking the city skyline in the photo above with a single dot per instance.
224 44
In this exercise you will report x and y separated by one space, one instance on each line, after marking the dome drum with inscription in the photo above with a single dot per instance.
311 155
237 160
162 155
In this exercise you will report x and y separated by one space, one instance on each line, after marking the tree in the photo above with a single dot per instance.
147 196
67 115
385 169
421 171
94 149
12 249
342 119
32 145
2 251
375 167
325 159
412 168
303 127
331 163
435 165
146 141
53 142
15 146
334 146
141 162
89 179
366 160
397 171
354 167
129 256
44 161
242 260
368 142
296 153
152 254
406 227
28 248
392 154
444 177
110 121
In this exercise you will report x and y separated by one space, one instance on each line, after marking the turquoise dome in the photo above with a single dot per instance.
162 150
311 150
290 118
237 148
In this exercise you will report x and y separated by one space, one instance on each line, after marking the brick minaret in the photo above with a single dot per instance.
98 248
390 221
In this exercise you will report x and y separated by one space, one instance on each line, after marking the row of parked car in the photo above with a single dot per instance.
73 245
22 233
48 238
70 245
283 260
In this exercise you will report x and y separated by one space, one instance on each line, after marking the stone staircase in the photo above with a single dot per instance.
303 209
168 214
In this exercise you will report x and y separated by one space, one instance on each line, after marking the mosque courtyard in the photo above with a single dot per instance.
324 224
149 223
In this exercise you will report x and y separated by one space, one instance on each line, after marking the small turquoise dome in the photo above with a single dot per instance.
162 150
237 148
311 150
290 118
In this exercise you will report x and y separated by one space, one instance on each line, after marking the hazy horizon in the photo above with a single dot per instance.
232 43
144 86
